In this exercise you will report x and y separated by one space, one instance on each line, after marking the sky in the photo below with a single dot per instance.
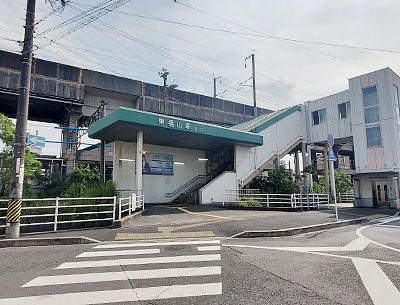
304 50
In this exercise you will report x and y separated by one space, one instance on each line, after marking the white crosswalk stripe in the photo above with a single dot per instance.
198 274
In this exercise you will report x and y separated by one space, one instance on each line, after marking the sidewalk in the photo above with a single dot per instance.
193 221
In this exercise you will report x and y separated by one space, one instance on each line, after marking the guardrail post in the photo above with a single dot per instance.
56 214
114 207
120 208
267 200
142 198
318 201
134 202
130 204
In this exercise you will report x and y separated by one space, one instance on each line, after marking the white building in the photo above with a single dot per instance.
209 160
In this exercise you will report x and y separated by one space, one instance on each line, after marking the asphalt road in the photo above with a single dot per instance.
351 265
221 222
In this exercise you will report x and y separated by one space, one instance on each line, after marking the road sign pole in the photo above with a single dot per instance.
17 174
333 187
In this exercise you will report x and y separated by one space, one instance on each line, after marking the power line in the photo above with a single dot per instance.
269 36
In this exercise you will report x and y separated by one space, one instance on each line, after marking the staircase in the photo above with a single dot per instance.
189 192
282 131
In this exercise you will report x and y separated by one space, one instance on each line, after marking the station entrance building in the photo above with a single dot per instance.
165 156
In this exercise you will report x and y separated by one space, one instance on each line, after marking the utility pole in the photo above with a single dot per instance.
215 85
17 174
252 56
164 74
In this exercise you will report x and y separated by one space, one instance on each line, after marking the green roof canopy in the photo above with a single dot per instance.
123 124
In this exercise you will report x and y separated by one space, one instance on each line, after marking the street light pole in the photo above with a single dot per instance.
17 174
253 64
164 75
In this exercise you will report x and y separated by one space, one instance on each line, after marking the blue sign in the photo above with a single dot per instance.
330 140
36 140
157 164
331 156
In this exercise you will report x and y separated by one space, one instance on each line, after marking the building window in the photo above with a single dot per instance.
344 110
319 116
371 110
374 136
396 100
371 116
370 96
396 95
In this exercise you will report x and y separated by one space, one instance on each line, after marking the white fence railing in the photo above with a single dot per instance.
128 205
314 200
245 198
52 213
346 197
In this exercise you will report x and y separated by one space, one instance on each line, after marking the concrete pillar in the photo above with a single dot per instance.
276 163
297 166
310 177
102 162
303 152
396 193
326 171
139 162
68 151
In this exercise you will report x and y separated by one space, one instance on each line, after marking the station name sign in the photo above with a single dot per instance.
179 125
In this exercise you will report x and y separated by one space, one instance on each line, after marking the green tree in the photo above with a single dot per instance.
343 182
279 182
82 178
32 168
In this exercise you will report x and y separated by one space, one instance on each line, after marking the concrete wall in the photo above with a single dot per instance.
43 86
278 138
385 157
155 186
339 128
215 190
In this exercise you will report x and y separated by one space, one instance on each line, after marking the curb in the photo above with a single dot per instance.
299 230
257 208
26 242
127 220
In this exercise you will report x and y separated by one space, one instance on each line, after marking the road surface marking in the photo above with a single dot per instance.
379 286
208 215
157 244
122 276
121 295
389 226
209 248
140 261
119 253
358 244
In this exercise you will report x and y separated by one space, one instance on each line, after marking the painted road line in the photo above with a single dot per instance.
119 253
140 261
202 214
209 248
122 276
121 295
379 286
157 244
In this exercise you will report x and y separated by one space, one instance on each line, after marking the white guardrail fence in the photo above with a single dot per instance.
56 213
346 197
254 198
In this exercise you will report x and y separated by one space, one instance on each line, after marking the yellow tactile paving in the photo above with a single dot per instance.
122 236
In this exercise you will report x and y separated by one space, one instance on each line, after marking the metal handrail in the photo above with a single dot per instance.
185 185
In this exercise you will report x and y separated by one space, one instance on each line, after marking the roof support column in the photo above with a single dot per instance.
139 153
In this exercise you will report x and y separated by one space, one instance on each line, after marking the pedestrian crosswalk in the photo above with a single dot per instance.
130 272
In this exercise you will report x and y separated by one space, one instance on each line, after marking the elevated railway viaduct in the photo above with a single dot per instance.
69 96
